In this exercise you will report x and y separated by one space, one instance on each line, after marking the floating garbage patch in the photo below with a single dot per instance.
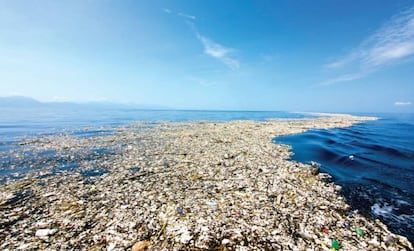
178 186
52 155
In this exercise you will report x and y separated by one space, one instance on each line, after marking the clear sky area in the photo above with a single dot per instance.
333 56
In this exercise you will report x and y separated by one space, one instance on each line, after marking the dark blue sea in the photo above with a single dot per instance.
373 161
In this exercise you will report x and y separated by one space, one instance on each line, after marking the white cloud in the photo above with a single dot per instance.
180 14
390 44
402 103
395 40
342 78
211 48
343 61
219 52
186 15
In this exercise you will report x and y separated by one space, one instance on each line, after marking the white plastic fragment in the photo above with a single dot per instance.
45 232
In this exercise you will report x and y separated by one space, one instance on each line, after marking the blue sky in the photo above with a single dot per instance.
335 56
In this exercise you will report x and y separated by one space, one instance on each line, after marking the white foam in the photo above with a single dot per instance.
402 202
386 211
382 210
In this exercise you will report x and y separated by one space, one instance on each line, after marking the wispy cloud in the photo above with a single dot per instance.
180 14
342 78
219 52
211 48
186 15
392 43
342 62
402 103
395 40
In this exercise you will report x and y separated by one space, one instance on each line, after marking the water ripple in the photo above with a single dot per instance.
373 162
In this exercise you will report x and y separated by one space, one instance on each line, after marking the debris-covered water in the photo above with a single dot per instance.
21 127
193 185
373 161
80 154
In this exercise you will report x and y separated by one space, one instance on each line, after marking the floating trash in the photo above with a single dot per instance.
141 245
178 186
179 211
335 244
359 232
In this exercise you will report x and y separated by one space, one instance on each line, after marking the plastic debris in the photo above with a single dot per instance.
211 203
389 240
128 206
359 232
45 232
335 244
325 230
316 171
180 211
347 225
141 245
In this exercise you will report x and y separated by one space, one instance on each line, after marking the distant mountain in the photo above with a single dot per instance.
27 102
19 101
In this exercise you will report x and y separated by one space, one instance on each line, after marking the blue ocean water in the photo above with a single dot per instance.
372 161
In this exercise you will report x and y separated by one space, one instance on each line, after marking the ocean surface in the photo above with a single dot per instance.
17 123
373 161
